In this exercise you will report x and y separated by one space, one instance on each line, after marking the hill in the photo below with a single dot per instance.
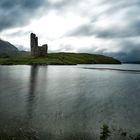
59 59
7 49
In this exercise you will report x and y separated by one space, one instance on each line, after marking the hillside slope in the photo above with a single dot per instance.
61 59
7 49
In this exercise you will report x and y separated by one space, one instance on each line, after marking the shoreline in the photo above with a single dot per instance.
59 59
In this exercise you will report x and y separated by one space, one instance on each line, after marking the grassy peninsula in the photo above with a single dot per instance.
59 59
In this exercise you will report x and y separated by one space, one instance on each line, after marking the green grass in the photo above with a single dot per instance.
59 59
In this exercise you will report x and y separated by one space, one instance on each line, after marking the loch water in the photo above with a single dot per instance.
65 100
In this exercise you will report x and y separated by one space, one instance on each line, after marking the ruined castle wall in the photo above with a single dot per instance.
43 50
36 41
37 50
33 44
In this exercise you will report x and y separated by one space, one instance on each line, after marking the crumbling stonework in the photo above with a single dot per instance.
35 49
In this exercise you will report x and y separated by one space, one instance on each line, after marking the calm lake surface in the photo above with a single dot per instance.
65 100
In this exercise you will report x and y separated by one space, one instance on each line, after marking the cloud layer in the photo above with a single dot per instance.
101 26
17 12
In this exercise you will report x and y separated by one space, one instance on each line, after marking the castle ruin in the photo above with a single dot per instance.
35 49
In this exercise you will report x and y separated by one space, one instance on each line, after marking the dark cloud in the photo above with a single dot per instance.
132 29
128 51
63 4
125 39
124 13
18 33
83 30
17 12
126 57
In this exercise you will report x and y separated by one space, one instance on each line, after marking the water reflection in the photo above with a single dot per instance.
31 97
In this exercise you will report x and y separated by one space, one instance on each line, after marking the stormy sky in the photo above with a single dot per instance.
106 27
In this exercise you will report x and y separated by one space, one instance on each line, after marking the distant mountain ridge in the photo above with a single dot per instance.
7 49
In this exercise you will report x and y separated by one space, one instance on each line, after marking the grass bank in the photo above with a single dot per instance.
59 59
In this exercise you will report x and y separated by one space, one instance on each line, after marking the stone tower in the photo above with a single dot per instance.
35 49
